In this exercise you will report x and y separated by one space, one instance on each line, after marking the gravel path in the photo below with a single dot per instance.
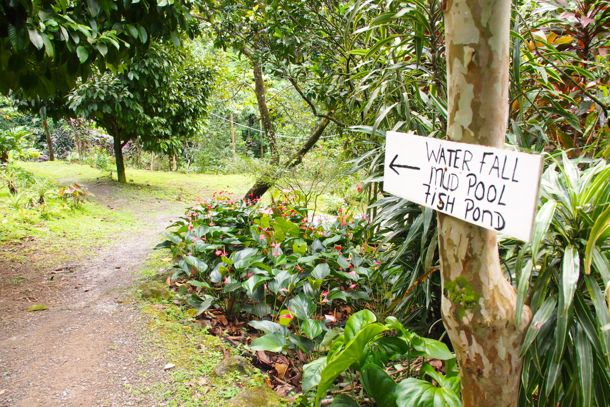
87 348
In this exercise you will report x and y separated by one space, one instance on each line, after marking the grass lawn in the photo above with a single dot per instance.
55 226
159 184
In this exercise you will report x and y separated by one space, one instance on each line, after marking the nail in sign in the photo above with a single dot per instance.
489 187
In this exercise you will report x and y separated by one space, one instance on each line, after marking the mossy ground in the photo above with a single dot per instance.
207 371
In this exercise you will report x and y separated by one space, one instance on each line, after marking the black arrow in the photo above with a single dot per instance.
393 165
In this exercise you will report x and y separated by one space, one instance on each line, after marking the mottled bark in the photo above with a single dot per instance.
478 303
47 133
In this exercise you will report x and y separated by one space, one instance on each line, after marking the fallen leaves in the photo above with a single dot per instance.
37 307
281 368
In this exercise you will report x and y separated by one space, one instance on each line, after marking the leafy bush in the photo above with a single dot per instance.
26 199
74 195
368 347
12 140
563 274
273 263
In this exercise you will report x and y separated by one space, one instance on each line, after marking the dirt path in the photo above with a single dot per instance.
87 348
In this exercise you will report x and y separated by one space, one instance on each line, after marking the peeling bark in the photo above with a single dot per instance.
478 303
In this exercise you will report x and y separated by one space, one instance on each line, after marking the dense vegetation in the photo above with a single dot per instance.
317 270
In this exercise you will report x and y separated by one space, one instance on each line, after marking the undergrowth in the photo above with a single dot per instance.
207 371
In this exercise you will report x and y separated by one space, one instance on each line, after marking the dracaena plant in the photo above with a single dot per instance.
368 347
564 272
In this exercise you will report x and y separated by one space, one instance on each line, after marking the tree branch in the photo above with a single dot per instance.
312 105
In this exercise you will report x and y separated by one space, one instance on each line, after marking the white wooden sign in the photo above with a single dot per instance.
489 187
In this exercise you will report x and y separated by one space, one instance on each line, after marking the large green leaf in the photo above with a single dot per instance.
82 54
198 264
385 349
379 385
267 327
540 318
599 229
351 353
569 279
321 271
413 392
585 367
283 227
244 258
541 226
312 328
431 348
356 322
302 306
311 373
269 342
254 282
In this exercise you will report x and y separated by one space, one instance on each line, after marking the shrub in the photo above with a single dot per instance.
563 274
74 195
275 263
371 349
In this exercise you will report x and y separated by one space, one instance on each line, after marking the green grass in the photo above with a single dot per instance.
57 227
179 339
158 184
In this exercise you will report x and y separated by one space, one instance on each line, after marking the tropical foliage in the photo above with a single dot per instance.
369 347
296 92
47 46
273 262
562 275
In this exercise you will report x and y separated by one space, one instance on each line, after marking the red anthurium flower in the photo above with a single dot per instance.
338 247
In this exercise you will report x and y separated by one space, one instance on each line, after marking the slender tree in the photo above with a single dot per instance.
478 303
158 98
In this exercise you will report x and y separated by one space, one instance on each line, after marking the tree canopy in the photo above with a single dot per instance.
160 96
46 46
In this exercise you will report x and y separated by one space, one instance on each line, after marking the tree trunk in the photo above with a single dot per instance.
262 185
118 156
311 141
259 90
45 126
233 148
478 303
152 161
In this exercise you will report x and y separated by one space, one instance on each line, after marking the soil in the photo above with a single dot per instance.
88 347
